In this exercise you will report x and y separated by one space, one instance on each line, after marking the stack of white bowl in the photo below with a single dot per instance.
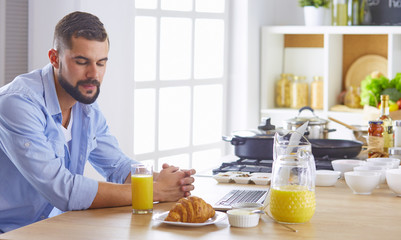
364 176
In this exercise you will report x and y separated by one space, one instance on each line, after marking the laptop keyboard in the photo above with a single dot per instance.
240 196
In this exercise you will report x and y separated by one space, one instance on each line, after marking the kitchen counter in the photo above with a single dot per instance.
339 215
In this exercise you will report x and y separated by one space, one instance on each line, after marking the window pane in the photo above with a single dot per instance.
208 112
209 48
176 5
175 48
174 110
144 120
181 161
216 6
149 4
145 48
205 160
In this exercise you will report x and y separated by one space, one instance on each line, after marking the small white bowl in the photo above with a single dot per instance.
346 165
385 165
326 178
394 161
379 169
241 178
223 177
393 178
242 218
261 178
362 182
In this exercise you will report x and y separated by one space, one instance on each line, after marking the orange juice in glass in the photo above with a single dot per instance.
292 204
142 188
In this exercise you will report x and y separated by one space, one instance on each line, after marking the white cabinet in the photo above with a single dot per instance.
328 62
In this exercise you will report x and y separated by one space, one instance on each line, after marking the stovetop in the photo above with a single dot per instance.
265 166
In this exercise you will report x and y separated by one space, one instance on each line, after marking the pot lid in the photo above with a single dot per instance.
313 120
251 134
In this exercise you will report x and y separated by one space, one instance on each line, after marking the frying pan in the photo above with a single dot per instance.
335 148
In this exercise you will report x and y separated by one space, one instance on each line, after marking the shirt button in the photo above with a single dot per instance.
27 144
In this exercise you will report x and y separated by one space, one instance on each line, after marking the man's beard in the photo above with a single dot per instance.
74 91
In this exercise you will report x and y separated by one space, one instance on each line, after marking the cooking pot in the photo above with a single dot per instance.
251 144
317 127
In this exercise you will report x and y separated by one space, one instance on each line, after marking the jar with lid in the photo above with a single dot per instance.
352 98
283 90
316 101
375 139
299 92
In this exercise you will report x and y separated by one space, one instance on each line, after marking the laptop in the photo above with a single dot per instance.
240 196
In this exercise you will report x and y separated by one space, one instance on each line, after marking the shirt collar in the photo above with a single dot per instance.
50 93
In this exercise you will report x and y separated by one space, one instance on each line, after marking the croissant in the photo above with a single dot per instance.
190 210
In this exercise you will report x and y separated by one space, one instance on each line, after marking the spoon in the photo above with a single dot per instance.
258 211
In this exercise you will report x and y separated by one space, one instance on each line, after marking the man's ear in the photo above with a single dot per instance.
54 58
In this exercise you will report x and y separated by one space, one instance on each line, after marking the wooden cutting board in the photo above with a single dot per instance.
364 66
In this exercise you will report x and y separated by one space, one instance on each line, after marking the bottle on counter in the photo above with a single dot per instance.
395 152
397 133
387 123
283 98
316 101
375 138
299 92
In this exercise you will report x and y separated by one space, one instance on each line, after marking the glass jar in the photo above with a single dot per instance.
339 12
352 98
375 138
292 189
316 100
299 92
283 85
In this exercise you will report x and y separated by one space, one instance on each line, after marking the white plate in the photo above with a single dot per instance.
218 217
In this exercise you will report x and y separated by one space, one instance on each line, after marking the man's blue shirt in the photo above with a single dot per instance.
38 171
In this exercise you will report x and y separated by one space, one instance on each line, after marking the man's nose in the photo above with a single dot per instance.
92 71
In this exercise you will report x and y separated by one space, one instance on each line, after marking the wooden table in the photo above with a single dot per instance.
339 215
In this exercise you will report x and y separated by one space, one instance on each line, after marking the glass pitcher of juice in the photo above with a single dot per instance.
292 190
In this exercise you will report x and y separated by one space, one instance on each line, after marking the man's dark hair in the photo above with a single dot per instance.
78 24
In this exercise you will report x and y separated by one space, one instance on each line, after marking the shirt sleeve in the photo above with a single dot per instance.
28 136
107 157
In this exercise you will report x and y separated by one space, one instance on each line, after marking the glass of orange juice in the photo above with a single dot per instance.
292 190
142 188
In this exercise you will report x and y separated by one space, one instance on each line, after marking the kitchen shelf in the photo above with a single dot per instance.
327 59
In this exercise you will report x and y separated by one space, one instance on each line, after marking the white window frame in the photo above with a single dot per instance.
158 13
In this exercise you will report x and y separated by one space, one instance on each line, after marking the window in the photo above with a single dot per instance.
180 78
